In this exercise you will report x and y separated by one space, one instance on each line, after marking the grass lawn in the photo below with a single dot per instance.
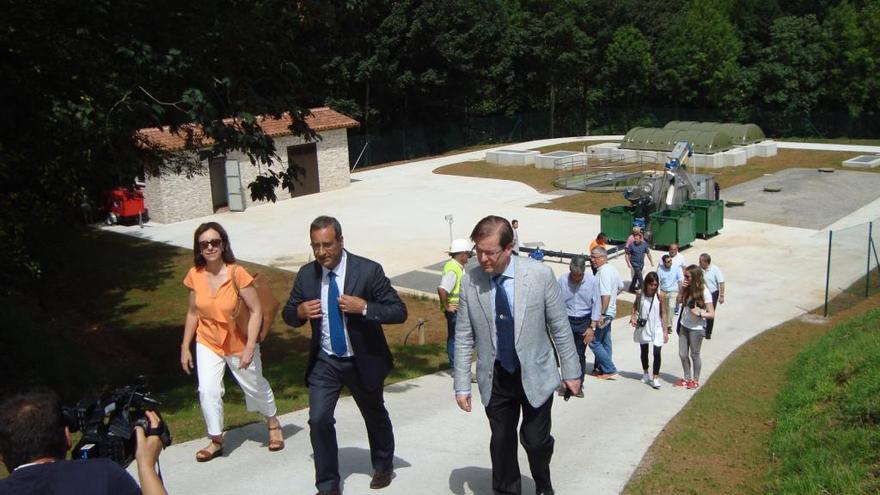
593 202
794 410
115 308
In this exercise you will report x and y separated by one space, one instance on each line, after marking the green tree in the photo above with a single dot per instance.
81 77
627 70
794 71
854 77
698 56
550 52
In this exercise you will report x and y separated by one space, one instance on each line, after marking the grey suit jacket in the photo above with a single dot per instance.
541 332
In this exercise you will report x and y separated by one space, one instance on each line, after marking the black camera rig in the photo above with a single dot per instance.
107 423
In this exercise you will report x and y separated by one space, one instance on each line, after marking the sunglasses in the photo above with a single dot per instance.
214 243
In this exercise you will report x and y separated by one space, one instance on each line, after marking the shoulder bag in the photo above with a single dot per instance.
268 302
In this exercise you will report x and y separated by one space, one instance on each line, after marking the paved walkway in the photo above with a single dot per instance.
396 216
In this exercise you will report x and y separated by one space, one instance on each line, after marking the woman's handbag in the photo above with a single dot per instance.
269 304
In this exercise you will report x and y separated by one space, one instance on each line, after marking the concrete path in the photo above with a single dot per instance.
396 216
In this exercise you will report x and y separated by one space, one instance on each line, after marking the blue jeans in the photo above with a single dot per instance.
601 347
450 334
578 327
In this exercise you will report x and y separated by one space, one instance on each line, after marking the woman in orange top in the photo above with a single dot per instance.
213 298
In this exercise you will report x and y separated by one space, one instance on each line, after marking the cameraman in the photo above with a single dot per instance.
34 442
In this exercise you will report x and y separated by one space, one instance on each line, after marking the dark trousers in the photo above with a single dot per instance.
325 383
579 325
710 323
644 356
636 283
450 334
508 399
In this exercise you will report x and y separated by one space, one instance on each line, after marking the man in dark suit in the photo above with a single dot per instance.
511 310
346 298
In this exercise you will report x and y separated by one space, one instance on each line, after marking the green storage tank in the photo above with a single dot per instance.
672 227
708 216
616 222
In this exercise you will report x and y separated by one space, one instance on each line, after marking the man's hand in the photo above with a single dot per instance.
352 304
186 360
721 299
309 310
588 335
452 308
574 386
464 401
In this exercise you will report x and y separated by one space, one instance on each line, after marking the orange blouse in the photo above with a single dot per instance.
216 328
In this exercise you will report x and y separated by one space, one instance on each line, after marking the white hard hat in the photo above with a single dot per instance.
460 246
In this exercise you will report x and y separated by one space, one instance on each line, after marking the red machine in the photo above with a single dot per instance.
125 206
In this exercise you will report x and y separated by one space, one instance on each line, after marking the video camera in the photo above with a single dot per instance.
108 423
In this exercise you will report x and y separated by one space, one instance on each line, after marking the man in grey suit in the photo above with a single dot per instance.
511 310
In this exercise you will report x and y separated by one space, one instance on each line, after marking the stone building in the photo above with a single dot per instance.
222 183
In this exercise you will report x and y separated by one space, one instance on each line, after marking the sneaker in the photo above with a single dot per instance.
681 383
693 384
646 378
655 383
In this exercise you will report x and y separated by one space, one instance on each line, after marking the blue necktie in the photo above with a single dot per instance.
337 331
506 352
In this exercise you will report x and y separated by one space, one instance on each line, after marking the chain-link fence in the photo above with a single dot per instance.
852 263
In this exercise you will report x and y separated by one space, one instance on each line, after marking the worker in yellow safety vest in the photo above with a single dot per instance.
450 287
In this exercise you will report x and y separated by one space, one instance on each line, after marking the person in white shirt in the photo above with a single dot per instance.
714 280
696 309
648 319
598 336
678 260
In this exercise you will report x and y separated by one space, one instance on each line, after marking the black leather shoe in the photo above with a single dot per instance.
381 479
546 491
329 492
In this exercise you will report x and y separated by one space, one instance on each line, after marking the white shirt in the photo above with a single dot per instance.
609 284
339 270
712 278
691 321
447 283
678 261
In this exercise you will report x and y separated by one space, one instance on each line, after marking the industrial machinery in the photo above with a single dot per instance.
668 189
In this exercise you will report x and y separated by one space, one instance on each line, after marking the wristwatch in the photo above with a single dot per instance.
364 312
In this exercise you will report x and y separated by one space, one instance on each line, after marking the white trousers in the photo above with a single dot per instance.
210 368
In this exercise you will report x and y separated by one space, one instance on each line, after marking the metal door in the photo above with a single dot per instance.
234 191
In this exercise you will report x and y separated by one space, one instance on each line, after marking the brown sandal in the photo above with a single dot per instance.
206 455
275 445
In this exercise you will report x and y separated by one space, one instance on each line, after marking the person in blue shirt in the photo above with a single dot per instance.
670 284
580 293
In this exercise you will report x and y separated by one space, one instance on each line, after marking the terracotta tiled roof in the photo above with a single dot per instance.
322 119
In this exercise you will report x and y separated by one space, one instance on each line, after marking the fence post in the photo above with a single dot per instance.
868 270
828 271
